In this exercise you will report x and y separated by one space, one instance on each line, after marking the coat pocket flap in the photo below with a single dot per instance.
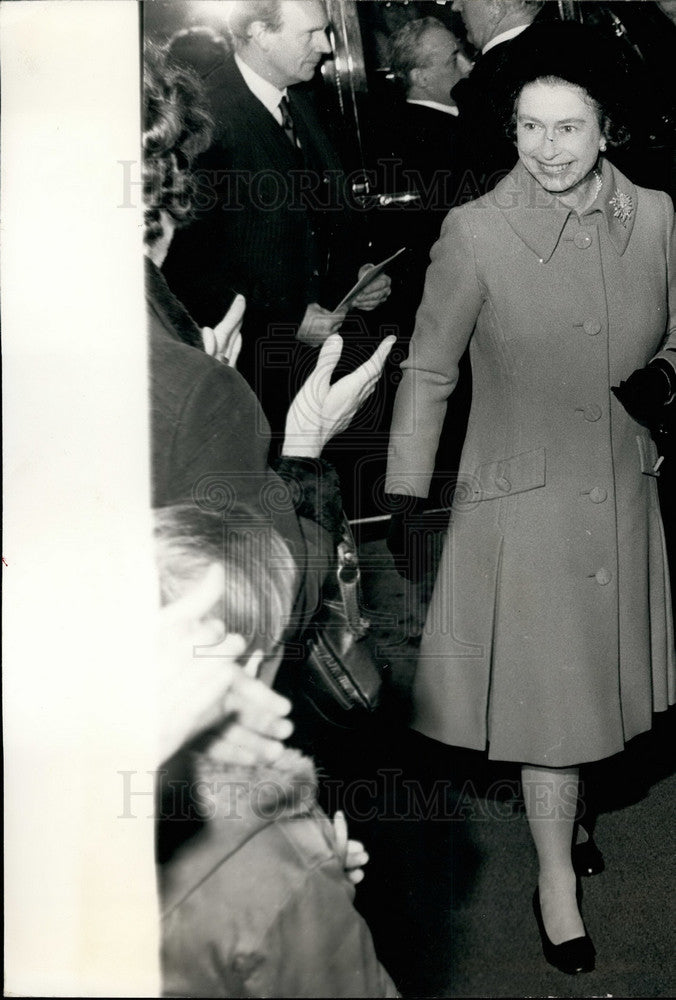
511 475
648 455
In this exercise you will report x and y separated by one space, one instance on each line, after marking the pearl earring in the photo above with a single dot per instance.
602 146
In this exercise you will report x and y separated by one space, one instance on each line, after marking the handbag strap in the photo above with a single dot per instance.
348 575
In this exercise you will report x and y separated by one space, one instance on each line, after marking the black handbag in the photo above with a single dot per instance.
342 677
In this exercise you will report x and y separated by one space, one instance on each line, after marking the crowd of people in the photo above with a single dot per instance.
536 328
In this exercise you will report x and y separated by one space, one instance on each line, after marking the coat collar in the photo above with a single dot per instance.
172 314
538 218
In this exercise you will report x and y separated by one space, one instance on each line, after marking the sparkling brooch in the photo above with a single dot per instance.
622 205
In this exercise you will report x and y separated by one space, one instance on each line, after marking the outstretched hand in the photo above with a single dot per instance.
321 410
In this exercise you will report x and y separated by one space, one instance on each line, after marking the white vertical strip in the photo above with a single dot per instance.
79 595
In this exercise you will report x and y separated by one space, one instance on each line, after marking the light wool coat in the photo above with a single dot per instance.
549 636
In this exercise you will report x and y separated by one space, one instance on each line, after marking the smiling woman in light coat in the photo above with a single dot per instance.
549 637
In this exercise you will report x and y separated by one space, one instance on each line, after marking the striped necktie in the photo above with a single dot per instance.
287 122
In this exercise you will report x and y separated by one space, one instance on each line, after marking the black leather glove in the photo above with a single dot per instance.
647 391
409 538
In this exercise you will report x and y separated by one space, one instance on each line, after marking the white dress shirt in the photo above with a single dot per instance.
449 109
504 36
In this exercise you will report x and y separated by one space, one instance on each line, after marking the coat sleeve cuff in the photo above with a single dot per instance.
315 489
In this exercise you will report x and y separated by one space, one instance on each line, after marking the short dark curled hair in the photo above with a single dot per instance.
176 128
576 54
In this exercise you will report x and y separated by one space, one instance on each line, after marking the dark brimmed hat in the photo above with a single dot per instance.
580 55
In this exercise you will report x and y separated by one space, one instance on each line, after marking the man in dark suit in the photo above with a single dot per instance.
417 154
426 62
272 223
486 152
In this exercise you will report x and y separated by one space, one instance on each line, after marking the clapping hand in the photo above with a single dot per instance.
321 410
224 342
351 851
208 692
256 723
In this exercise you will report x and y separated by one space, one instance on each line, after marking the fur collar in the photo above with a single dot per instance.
273 788
237 803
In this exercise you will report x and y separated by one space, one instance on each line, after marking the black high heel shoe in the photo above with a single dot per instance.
587 859
571 957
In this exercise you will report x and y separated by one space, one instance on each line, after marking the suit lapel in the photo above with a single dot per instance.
247 116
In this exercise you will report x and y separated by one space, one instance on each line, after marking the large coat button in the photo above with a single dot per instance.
582 239
591 327
603 576
598 495
503 484
592 413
